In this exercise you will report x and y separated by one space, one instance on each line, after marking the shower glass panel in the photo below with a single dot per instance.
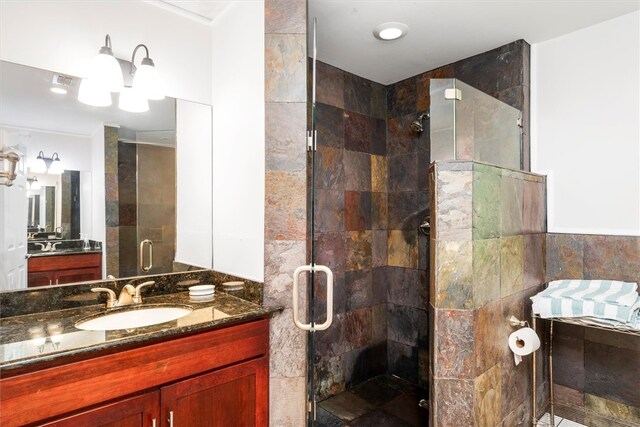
156 224
468 124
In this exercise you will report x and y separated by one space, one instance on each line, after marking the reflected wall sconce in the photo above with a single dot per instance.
34 184
12 157
51 165
107 74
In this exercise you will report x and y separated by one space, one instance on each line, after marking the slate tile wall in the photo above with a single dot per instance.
285 29
480 250
351 227
596 372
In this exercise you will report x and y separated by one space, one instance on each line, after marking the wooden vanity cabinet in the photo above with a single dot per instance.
218 378
137 411
61 269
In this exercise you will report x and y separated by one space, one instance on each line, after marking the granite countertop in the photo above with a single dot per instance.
46 336
62 252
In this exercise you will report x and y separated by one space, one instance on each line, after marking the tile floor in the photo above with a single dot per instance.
383 401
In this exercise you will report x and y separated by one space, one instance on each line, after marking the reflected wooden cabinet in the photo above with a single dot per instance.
61 269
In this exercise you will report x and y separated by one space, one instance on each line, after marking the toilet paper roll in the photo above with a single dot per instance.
523 342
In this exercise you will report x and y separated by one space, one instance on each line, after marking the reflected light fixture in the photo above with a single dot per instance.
135 85
390 31
34 184
52 165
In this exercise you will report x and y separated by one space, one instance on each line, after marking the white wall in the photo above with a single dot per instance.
64 36
74 150
238 140
585 94
193 184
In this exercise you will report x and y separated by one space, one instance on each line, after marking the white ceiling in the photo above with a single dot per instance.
442 32
27 102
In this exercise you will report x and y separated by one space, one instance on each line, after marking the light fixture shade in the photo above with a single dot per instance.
106 72
39 165
132 101
147 81
35 184
91 93
56 165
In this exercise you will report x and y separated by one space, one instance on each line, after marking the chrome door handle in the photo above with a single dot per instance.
170 419
142 244
296 316
153 423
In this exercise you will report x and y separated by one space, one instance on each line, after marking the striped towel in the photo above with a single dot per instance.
548 307
601 291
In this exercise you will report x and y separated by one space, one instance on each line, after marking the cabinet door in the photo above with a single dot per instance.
137 411
40 278
233 396
77 275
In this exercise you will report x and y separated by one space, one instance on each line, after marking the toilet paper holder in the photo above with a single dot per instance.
515 322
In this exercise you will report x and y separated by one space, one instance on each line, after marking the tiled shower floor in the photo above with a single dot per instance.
383 401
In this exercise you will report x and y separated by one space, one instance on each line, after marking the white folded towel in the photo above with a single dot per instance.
602 291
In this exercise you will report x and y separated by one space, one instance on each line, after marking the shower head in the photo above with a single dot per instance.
416 125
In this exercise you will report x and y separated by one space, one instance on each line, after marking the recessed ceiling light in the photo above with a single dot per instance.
58 90
390 31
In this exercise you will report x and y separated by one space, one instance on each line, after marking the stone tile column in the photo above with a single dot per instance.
285 200
487 257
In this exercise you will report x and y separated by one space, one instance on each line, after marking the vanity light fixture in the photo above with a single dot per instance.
34 184
51 165
135 85
390 31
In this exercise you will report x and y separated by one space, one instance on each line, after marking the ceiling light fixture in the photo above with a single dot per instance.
58 90
135 85
390 31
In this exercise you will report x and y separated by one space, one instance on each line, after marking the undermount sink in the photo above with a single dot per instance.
133 317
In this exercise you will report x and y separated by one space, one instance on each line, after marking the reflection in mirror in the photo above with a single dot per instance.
118 188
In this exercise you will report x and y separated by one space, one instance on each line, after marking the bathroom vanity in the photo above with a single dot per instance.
210 367
58 269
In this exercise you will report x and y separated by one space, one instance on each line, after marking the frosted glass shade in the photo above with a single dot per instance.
56 167
106 72
39 165
35 185
132 101
91 93
147 81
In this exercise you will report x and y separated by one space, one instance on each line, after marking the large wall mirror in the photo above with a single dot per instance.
124 183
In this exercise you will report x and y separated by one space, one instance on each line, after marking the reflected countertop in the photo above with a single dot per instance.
47 336
62 252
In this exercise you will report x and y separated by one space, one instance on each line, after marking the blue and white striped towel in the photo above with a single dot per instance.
548 307
602 291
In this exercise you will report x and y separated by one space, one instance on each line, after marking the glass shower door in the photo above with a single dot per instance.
156 222
317 315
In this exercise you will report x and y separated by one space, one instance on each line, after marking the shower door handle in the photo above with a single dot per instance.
296 313
142 244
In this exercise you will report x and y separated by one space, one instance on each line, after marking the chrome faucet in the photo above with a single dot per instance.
44 248
55 246
129 295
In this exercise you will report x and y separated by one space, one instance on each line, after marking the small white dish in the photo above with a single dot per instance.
200 298
201 290
230 286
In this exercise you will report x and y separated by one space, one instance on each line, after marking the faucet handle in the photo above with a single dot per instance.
111 300
137 297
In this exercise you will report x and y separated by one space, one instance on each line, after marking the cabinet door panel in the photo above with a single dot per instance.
137 411
77 275
40 278
233 396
